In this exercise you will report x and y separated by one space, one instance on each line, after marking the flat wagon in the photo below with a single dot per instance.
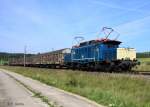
52 59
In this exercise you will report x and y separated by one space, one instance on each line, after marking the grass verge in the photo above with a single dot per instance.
115 90
145 64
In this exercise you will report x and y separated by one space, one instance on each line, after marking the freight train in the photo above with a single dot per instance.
100 55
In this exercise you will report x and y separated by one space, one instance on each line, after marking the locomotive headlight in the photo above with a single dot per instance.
82 56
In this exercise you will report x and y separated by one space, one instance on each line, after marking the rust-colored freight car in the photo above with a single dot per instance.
16 61
33 60
51 59
54 58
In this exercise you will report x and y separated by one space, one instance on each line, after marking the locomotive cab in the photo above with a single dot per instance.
114 52
109 48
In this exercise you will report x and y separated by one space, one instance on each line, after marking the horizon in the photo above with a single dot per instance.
49 25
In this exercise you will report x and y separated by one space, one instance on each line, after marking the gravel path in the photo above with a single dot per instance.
56 96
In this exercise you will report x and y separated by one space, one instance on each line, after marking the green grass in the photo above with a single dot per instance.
43 98
144 60
145 64
115 90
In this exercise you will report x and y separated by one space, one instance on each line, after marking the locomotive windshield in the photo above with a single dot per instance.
111 46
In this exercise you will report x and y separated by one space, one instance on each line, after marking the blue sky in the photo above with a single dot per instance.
44 25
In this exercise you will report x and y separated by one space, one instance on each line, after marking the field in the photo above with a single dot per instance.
144 60
145 64
114 90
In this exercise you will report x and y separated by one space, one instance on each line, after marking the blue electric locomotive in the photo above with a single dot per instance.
103 54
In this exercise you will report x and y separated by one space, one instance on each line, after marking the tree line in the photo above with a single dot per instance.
143 55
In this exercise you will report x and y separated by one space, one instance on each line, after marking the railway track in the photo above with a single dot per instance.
144 72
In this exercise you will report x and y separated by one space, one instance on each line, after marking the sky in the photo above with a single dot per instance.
46 25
